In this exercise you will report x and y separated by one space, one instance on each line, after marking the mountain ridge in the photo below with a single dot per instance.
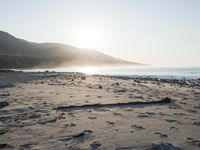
19 53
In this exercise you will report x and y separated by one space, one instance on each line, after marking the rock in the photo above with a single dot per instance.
172 121
4 145
80 136
143 116
117 83
92 118
137 81
163 146
83 78
120 91
193 141
34 115
26 146
85 132
167 99
48 120
196 123
72 124
138 97
110 123
3 131
95 145
3 104
4 95
100 87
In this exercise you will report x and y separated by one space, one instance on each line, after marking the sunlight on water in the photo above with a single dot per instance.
89 70
161 72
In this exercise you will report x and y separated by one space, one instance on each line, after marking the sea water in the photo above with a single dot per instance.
160 72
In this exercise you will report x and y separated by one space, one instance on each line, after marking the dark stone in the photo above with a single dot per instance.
100 87
85 132
117 83
3 104
95 145
120 91
167 99
3 131
4 145
83 78
137 127
6 94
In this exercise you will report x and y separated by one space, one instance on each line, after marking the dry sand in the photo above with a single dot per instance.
31 118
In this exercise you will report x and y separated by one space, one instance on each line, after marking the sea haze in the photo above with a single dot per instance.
159 72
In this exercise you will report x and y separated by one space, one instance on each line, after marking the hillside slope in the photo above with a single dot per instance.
18 53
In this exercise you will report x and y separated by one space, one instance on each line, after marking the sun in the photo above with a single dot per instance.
89 70
89 37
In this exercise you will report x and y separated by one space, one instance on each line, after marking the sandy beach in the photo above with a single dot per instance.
78 111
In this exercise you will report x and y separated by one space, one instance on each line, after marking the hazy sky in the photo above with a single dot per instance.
157 32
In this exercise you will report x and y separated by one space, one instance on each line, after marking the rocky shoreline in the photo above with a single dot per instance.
186 82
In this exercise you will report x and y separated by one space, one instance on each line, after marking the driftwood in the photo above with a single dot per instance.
96 106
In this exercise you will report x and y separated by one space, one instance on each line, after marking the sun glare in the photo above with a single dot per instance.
89 70
89 37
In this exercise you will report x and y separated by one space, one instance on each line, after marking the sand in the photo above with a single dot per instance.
38 115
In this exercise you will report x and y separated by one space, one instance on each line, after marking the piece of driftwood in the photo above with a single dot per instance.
95 106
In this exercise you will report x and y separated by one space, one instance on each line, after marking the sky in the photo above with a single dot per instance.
155 32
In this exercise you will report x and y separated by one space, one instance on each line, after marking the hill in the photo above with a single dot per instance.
19 53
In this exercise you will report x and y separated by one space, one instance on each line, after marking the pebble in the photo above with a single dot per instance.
95 145
3 104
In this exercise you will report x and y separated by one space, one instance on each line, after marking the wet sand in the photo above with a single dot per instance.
78 111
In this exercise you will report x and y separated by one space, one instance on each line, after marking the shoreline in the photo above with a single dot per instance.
77 111
182 82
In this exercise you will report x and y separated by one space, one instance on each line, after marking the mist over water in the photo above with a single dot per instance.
160 72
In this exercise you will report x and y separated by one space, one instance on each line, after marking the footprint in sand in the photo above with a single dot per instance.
172 121
136 127
117 114
161 135
70 125
173 128
150 113
80 136
143 115
179 114
193 141
92 118
110 123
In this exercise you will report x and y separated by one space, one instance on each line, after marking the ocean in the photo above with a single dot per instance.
147 71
